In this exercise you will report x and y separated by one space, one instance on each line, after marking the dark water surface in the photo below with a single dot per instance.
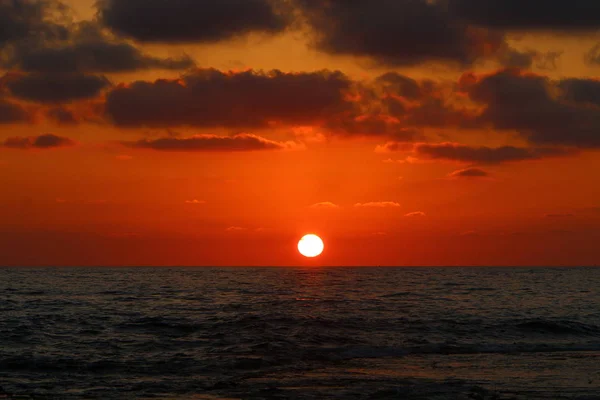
279 333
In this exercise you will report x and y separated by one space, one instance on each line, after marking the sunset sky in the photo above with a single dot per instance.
219 132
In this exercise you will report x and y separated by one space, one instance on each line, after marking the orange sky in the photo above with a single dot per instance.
175 144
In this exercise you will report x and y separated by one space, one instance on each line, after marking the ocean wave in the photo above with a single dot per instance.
160 325
462 349
563 327
238 331
398 294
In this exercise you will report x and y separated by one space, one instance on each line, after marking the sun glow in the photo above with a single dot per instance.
311 246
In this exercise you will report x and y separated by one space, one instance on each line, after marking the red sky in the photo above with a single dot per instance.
205 132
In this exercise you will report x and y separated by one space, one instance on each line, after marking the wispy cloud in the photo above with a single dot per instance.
416 214
195 201
469 173
325 205
236 229
378 204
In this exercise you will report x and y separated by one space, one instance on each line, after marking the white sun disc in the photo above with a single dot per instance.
311 246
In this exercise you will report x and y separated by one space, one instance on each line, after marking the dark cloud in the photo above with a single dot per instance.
10 112
511 88
484 155
438 112
543 111
547 113
88 49
208 97
397 32
372 125
592 57
574 15
191 20
410 32
581 90
393 105
240 142
512 58
15 21
509 57
54 88
62 116
38 142
401 85
397 107
394 146
548 61
480 155
469 173
20 19
413 103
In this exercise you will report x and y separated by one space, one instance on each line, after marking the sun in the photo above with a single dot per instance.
311 246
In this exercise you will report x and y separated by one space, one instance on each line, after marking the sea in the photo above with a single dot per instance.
300 333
